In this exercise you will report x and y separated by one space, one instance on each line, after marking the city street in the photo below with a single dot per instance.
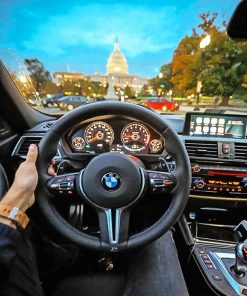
182 110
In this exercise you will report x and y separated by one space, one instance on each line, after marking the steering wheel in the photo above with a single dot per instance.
113 183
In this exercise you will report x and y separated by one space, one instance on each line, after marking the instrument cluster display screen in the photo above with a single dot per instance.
213 125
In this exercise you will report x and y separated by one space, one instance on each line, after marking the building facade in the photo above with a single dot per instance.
117 70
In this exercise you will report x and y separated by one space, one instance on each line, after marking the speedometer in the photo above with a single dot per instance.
99 135
135 137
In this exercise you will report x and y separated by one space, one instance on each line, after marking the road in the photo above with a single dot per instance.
182 111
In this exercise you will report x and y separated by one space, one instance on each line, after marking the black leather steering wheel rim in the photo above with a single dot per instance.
173 144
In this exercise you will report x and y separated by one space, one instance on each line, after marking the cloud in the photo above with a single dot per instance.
140 29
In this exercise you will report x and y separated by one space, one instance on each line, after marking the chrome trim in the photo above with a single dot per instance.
108 213
213 225
214 242
220 198
21 140
238 288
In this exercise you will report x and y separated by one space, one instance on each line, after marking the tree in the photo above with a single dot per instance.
25 87
144 91
162 83
221 66
185 65
129 91
50 88
225 66
38 74
68 87
98 88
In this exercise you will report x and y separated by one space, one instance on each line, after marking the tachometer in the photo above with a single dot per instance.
135 137
99 135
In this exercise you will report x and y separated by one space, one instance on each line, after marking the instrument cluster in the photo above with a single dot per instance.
116 135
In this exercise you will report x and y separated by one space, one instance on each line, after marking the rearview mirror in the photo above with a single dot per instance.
237 26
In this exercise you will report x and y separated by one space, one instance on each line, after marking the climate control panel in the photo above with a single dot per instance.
219 180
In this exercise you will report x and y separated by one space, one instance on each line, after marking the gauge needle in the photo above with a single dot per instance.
128 137
93 139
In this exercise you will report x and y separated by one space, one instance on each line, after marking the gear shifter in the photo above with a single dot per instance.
240 266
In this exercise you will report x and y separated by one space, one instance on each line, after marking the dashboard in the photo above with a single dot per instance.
115 135
216 145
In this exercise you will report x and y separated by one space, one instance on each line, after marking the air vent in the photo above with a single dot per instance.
202 149
26 142
22 146
241 151
47 125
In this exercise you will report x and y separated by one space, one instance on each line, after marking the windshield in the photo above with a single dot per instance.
169 56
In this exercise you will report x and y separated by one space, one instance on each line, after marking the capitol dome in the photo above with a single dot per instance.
117 62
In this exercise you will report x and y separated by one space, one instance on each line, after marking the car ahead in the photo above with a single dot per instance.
159 103
52 101
69 103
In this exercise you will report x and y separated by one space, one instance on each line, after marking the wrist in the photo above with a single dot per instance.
14 215
16 198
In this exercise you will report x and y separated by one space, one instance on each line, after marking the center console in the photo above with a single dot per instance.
217 147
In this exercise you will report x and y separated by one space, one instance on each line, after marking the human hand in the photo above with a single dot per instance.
21 193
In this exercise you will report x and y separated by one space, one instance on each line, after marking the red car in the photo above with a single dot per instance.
161 104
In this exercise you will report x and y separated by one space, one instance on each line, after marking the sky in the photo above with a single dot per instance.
78 35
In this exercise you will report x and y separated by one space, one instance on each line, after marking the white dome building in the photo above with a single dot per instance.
117 63
117 74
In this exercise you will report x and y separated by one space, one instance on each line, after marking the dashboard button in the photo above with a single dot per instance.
226 148
217 277
210 266
196 168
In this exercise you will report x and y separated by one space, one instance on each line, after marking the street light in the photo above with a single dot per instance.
23 78
203 44
160 75
205 41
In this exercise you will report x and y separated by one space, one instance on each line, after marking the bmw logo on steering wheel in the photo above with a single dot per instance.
111 181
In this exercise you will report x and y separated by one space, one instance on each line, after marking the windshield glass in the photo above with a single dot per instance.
170 56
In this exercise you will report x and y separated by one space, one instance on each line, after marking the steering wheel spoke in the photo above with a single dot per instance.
160 182
62 185
114 228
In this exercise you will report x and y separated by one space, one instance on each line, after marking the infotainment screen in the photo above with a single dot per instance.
213 125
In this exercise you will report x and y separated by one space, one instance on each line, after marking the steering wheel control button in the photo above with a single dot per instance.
63 184
160 182
111 181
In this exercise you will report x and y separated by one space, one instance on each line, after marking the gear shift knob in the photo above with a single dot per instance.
240 266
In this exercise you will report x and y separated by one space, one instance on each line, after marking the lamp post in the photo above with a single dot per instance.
203 44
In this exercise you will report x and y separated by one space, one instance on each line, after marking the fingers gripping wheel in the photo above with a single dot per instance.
113 183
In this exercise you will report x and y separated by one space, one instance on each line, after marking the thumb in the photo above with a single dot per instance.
32 153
